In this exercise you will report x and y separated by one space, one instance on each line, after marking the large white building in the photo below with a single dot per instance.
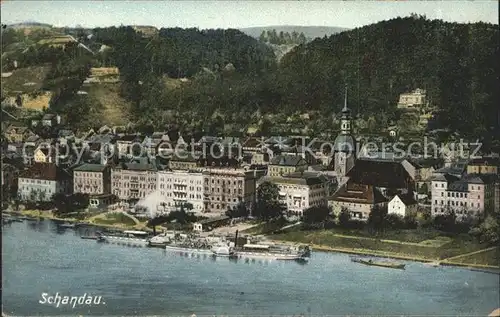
472 193
180 187
299 192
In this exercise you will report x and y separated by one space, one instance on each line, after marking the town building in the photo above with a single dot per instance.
42 180
358 199
412 100
183 160
466 196
92 179
285 164
389 177
124 143
225 188
133 180
48 120
300 191
179 187
17 133
45 155
254 148
484 166
402 205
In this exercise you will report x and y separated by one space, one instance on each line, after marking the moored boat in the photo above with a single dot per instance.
390 265
223 251
273 252
67 225
128 237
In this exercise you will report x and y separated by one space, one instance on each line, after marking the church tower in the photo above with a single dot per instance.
345 145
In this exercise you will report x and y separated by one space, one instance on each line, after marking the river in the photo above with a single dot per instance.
40 258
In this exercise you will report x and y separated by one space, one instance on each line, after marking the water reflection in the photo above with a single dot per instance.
39 225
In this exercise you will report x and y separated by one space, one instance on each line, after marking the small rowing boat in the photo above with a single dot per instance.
67 225
390 265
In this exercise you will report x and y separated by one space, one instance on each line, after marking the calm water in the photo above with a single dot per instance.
40 259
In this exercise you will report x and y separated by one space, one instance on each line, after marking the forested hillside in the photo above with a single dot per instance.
225 81
457 64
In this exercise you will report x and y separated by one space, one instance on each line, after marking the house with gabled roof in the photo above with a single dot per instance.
285 164
402 205
17 133
390 177
358 199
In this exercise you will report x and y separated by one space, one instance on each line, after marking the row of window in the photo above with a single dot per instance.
88 174
34 181
443 210
179 180
455 203
477 187
151 186
224 182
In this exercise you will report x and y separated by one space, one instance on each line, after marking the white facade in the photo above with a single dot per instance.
180 187
398 207
298 196
38 189
471 199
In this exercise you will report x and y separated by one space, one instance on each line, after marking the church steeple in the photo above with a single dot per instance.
346 117
345 110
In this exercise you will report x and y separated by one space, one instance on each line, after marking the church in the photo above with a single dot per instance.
364 182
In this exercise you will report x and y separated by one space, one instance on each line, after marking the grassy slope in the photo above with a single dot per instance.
19 77
115 109
426 244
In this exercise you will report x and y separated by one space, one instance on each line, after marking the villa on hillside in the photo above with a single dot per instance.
412 100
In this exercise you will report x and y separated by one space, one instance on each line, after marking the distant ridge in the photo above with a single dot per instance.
29 24
309 31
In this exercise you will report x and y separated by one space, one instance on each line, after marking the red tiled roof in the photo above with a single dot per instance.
380 174
358 193
44 171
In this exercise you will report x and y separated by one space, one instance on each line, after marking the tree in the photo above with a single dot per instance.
394 221
377 219
238 211
33 196
79 201
316 214
267 192
262 37
488 231
423 189
445 222
344 217
61 203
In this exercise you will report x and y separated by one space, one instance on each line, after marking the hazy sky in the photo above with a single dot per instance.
238 14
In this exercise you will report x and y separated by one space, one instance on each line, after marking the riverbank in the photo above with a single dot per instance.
458 251
50 216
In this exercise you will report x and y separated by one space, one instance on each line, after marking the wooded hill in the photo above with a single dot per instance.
230 79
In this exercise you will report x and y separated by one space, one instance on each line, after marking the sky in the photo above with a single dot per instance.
239 14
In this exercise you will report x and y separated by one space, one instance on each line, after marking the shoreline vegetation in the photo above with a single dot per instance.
323 241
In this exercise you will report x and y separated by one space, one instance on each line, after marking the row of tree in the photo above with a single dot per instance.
272 37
